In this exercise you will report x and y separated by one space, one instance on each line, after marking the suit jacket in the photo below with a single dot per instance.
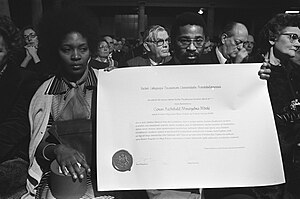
210 57
142 61
139 61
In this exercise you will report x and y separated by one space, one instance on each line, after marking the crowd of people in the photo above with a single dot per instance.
48 77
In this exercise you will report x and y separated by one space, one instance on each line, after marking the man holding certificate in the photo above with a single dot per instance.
174 130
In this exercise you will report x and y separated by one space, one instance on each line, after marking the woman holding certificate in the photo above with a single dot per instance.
61 112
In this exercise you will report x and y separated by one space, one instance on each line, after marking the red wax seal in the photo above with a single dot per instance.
122 160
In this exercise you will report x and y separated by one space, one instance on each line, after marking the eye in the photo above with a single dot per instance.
199 40
160 42
83 49
65 49
184 41
294 36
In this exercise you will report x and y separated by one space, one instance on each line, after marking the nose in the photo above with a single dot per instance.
191 46
76 55
166 44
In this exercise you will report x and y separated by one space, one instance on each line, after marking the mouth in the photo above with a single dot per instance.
191 56
76 66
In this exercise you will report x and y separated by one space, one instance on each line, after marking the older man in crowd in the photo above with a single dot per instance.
231 47
156 43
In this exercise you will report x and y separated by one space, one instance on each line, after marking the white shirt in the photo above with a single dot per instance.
220 57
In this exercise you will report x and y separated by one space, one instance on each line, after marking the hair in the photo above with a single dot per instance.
187 18
12 39
55 26
273 28
150 34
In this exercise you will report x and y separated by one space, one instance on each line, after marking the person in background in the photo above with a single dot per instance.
156 44
102 60
31 45
208 46
118 55
17 88
125 47
231 47
110 42
249 45
279 43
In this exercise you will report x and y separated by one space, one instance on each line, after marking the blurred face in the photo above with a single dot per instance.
30 37
110 42
287 43
233 43
159 49
189 44
3 52
74 53
119 45
103 49
123 40
249 44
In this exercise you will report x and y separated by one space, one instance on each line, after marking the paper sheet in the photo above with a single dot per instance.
177 127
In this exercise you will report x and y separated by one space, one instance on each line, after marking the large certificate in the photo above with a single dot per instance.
172 127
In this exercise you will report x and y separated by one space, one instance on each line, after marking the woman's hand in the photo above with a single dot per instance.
109 68
31 52
68 159
265 71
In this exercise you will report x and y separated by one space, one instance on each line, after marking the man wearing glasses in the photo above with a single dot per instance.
156 44
231 47
188 38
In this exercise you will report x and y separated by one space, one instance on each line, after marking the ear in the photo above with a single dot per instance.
223 37
146 46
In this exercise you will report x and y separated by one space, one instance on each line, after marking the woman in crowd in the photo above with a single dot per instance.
279 42
66 104
16 92
102 59
31 44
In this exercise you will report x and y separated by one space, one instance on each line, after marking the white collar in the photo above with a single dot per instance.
153 63
220 57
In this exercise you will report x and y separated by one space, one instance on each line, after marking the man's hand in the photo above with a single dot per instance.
241 55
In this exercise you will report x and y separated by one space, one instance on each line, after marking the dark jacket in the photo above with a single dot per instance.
17 87
210 57
142 61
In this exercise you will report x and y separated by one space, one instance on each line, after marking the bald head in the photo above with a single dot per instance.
232 41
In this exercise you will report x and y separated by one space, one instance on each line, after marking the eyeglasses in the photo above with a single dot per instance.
185 42
30 36
161 42
292 36
103 47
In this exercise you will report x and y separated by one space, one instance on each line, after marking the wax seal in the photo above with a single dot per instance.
122 160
